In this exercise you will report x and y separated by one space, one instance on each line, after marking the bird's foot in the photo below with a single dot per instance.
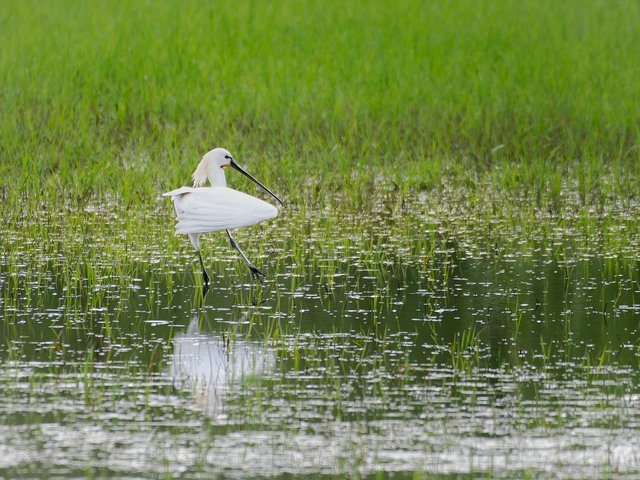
257 274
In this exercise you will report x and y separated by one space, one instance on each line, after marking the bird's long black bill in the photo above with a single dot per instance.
241 170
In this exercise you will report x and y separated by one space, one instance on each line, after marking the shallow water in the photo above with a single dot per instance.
507 363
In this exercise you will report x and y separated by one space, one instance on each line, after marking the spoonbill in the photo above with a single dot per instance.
202 210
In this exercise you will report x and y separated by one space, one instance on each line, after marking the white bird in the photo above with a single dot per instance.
202 210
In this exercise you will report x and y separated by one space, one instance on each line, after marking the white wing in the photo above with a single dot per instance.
202 210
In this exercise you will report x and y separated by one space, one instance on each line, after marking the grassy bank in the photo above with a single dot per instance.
122 98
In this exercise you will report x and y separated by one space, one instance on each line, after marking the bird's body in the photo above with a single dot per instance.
210 209
202 210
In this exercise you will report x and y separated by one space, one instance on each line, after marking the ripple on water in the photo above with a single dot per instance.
407 344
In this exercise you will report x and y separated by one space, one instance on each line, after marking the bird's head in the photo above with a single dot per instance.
220 157
211 165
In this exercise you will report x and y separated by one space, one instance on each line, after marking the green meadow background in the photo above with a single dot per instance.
122 98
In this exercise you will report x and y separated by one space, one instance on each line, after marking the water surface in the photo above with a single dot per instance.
508 363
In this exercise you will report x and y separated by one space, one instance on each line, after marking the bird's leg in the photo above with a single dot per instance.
205 277
256 273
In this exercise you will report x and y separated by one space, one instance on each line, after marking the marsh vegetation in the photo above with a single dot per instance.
451 283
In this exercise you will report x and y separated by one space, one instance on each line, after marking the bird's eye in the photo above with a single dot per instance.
228 157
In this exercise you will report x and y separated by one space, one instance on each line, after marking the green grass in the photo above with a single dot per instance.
520 113
123 98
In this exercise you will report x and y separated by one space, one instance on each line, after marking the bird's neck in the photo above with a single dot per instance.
216 178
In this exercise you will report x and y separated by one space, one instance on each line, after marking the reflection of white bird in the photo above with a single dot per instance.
202 210
209 365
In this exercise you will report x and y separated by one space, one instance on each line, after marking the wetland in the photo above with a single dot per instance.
389 343
452 285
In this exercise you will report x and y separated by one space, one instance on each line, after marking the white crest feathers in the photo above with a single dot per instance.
199 176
